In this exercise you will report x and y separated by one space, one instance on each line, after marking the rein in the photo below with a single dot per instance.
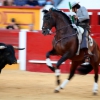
62 28
65 36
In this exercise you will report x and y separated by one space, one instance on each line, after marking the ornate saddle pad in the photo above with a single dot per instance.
80 31
90 41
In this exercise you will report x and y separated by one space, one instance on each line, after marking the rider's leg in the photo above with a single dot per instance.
86 56
85 47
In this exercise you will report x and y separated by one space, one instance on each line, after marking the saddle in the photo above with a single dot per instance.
80 32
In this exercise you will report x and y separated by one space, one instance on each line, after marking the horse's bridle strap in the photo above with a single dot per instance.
62 28
66 37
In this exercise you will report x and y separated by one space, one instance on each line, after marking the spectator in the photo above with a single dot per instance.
49 2
20 2
1 2
32 3
31 27
42 2
13 25
8 3
57 2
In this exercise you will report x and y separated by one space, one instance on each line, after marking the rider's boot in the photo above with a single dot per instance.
87 57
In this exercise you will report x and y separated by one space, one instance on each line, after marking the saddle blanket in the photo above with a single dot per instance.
80 31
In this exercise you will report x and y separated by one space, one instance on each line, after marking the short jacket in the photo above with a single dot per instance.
82 14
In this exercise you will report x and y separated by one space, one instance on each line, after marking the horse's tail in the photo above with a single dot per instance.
83 70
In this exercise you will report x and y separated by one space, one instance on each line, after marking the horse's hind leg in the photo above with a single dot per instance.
48 61
96 76
72 72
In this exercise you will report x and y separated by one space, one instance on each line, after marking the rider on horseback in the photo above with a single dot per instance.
82 19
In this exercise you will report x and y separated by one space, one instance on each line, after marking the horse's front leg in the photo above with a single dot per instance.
48 61
57 69
72 72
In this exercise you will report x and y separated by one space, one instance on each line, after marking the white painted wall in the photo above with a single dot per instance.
89 4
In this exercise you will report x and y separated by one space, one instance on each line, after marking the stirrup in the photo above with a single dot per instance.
85 63
91 54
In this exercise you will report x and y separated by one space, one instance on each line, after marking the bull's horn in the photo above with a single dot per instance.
3 47
17 48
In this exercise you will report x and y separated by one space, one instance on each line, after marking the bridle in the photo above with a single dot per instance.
58 30
66 37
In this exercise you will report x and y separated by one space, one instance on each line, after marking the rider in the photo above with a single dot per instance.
82 19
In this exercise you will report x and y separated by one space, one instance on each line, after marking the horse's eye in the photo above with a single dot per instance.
47 17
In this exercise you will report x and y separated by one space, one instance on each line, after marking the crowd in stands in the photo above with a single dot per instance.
29 2
26 3
13 24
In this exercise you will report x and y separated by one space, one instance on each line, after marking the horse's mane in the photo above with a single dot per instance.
65 15
59 11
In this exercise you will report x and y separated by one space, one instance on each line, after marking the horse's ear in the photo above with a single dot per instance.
45 11
51 9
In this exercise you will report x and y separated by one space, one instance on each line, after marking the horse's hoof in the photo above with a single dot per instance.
56 91
61 88
95 93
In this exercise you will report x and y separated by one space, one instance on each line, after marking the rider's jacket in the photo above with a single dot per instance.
83 18
82 14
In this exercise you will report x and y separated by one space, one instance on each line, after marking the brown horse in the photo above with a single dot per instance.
65 43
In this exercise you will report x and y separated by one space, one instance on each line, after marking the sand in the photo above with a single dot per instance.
24 85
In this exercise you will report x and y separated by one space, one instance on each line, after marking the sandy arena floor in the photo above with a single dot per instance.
23 85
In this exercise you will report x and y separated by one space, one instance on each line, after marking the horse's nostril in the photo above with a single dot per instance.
43 31
15 62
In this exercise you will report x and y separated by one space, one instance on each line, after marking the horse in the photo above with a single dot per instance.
65 44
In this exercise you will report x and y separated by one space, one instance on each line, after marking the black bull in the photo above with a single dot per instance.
7 55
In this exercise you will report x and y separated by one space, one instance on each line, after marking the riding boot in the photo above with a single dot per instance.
85 48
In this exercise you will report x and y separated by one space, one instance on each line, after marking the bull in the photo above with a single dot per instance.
7 55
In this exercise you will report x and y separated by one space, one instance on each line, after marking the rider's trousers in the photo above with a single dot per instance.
84 43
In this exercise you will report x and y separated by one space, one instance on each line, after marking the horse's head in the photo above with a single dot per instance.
55 18
48 22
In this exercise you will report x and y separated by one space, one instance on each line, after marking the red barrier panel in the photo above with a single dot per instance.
37 47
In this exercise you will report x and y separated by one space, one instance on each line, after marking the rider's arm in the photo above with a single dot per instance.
82 14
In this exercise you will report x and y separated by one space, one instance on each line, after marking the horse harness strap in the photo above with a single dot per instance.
66 37
62 28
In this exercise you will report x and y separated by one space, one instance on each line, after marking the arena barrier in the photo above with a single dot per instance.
36 46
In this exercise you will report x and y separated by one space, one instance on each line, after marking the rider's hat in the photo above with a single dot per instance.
74 3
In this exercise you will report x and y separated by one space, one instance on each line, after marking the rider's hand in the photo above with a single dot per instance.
76 17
